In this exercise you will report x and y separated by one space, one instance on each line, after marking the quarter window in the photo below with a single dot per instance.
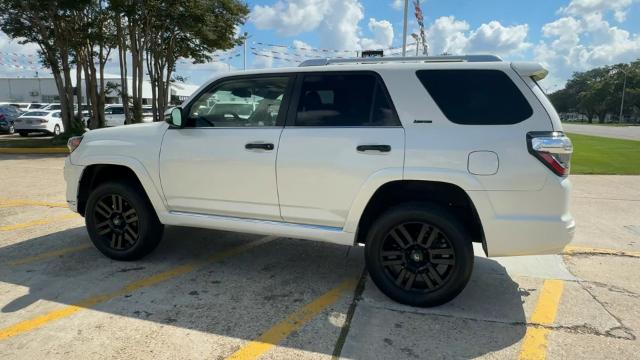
476 97
344 100
247 102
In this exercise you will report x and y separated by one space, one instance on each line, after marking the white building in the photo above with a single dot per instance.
43 90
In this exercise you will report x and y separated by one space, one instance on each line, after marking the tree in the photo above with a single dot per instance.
211 27
50 25
598 92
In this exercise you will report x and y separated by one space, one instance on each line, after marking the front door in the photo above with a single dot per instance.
342 130
223 162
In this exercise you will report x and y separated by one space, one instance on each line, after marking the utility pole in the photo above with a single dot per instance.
624 86
244 58
404 28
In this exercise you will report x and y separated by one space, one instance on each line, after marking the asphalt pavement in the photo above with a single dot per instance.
217 295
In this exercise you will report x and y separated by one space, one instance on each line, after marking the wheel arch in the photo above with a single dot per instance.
449 195
105 170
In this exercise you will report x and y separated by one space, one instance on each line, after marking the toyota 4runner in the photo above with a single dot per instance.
416 158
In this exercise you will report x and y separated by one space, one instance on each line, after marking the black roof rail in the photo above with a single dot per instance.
375 60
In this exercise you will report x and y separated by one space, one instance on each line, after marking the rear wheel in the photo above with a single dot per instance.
122 224
12 129
419 255
56 130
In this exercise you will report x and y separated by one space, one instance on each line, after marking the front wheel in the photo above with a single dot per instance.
419 255
121 223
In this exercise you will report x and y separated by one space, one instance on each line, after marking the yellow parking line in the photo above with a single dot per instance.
576 249
44 221
48 255
38 321
296 320
26 202
534 346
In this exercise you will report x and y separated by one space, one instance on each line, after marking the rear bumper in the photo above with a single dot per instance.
72 175
526 222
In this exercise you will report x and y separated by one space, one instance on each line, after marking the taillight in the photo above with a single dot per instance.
553 149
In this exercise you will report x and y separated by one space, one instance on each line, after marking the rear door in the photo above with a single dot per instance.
341 129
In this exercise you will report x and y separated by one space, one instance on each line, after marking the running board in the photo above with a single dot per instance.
329 234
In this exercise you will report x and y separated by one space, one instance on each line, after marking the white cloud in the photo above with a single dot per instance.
587 7
382 35
398 4
291 17
452 36
580 43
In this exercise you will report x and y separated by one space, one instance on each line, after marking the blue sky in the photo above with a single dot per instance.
564 35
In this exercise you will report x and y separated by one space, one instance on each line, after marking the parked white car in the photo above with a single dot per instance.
416 158
52 107
39 121
114 115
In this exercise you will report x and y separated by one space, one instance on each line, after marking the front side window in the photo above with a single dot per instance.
246 102
476 97
344 100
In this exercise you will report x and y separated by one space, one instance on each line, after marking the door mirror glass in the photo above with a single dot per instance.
176 117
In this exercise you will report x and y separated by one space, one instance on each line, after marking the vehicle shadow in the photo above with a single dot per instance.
488 316
236 298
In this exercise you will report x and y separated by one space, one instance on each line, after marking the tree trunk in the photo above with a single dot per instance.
79 90
122 59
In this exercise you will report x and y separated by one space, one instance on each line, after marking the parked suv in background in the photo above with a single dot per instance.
8 115
416 158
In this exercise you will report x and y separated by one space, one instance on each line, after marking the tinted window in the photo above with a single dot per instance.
117 110
243 102
36 113
344 100
476 97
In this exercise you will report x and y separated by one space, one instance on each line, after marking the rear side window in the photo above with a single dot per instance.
344 100
476 97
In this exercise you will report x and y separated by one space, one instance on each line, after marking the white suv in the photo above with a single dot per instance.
415 158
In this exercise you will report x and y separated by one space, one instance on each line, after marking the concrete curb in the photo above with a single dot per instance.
45 150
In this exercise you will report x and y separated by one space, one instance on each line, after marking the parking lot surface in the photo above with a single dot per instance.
217 295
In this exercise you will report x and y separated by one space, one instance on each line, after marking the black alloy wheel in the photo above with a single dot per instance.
117 222
417 256
121 221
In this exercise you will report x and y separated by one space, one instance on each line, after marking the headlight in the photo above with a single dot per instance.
73 143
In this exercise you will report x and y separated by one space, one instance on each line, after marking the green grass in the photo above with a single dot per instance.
600 155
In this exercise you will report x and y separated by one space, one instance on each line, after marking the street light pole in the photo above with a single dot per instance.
624 86
404 29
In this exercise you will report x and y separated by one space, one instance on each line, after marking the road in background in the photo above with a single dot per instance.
616 132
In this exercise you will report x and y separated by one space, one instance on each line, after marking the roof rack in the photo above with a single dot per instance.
374 60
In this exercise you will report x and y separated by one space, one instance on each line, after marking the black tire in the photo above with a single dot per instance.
402 263
12 129
56 130
126 229
23 133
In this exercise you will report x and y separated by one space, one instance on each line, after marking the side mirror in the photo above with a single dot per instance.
175 117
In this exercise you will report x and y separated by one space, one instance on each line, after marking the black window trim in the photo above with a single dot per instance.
465 124
295 99
286 99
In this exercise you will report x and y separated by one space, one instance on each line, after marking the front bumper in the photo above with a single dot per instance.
72 175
